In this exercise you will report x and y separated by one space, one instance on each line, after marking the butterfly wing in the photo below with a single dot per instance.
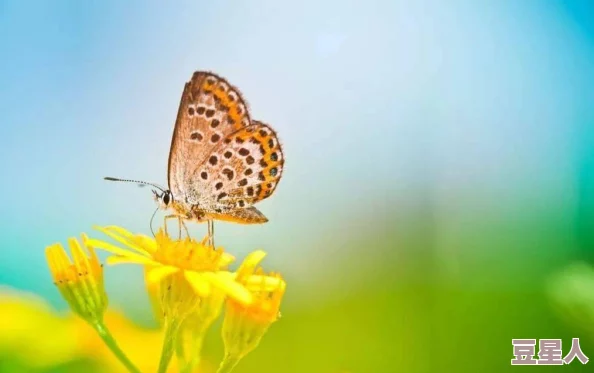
248 215
244 169
210 110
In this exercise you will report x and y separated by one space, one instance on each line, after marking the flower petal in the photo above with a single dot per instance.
226 259
52 261
264 283
79 258
143 241
93 258
118 259
61 258
121 231
249 264
156 274
225 281
126 240
147 243
198 282
98 244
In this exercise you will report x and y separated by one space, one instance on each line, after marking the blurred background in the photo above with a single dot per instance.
439 172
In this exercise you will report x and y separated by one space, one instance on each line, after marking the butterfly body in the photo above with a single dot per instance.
221 161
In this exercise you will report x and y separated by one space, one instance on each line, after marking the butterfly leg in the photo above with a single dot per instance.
179 226
183 223
165 222
211 233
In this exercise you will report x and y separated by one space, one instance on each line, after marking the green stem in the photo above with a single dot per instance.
106 336
228 364
181 345
195 353
171 330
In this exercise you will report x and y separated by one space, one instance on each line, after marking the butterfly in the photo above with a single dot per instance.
221 161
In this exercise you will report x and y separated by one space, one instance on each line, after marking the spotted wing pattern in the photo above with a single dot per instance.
244 169
210 110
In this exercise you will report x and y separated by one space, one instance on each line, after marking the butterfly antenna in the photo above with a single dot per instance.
151 223
140 183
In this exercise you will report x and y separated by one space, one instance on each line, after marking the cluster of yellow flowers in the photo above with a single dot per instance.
189 283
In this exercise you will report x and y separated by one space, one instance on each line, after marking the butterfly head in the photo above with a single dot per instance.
163 198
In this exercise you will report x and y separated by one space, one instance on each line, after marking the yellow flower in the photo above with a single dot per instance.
26 321
202 267
80 281
245 325
187 282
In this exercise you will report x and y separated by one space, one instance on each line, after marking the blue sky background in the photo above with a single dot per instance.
473 108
